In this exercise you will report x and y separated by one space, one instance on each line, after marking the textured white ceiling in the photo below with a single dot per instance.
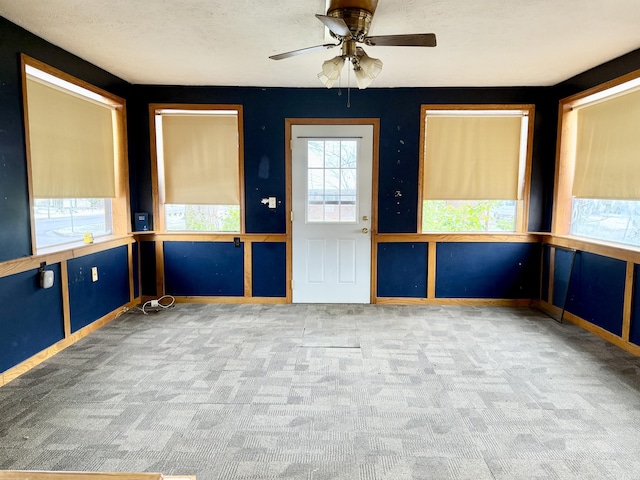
228 42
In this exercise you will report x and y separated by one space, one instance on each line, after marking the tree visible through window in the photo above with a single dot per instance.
474 168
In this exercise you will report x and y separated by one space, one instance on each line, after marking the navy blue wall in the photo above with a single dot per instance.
30 317
204 268
265 111
15 237
269 269
487 270
88 300
402 270
135 257
148 268
596 291
546 257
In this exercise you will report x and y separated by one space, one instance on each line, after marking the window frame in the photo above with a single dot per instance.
524 183
120 204
159 224
566 152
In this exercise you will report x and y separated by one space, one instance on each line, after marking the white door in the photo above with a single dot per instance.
331 200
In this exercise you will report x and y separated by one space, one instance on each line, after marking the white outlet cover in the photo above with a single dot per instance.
94 274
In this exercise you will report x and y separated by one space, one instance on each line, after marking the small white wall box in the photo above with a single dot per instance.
46 278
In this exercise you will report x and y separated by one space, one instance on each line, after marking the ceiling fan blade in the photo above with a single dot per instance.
411 40
281 56
336 25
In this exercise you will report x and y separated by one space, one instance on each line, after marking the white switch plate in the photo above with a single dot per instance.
94 274
272 202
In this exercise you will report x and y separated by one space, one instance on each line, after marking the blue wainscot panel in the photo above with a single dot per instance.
487 270
402 270
148 268
596 291
546 263
89 300
269 269
204 268
31 318
634 334
562 269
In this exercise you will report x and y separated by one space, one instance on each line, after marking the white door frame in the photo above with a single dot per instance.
375 122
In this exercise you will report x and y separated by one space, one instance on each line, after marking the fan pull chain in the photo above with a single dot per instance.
348 87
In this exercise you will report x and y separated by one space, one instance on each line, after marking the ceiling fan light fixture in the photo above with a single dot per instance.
371 66
366 69
331 71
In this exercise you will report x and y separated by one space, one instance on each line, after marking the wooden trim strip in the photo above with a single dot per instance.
42 475
231 300
66 307
24 60
160 269
621 252
431 269
130 266
458 237
628 300
210 237
596 330
49 352
478 302
248 269
158 206
552 273
20 265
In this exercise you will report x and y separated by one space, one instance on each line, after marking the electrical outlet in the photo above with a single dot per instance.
94 274
272 202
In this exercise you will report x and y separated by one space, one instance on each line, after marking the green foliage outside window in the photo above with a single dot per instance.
468 216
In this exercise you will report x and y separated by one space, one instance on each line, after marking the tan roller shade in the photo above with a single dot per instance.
608 149
71 144
471 157
201 159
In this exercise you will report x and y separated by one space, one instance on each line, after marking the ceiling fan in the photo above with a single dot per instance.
348 22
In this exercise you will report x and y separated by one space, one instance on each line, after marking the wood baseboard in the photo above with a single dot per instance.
38 358
555 313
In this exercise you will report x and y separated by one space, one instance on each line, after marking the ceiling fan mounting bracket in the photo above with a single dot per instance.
357 19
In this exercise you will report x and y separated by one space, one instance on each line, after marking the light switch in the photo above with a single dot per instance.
272 202
94 274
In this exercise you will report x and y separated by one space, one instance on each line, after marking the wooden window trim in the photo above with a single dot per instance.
158 203
121 210
524 183
565 151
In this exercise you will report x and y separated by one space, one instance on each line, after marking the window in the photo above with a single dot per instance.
332 180
598 177
77 162
198 167
474 168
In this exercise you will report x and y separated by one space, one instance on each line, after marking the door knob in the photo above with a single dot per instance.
365 230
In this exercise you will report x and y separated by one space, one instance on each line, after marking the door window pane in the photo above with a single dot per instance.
332 181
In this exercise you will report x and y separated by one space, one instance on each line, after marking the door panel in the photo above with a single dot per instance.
331 202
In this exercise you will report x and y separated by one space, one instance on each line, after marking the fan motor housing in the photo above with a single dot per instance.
357 14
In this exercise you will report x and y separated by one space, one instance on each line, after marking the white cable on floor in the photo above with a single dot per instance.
169 305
